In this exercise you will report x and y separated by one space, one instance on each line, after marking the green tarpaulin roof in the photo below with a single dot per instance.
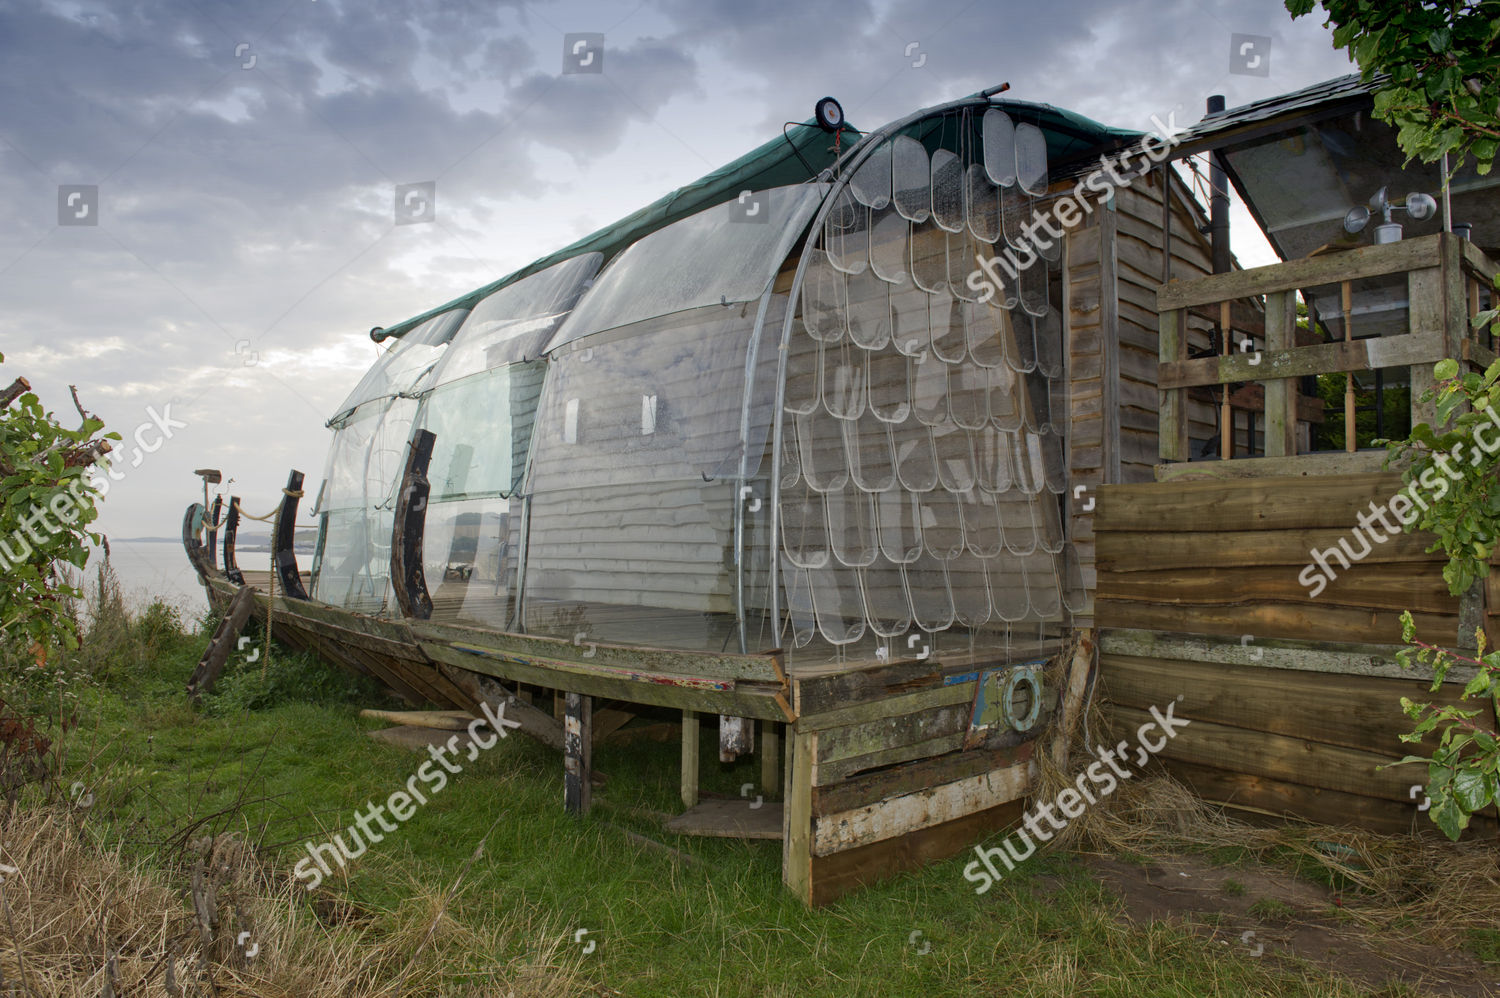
799 156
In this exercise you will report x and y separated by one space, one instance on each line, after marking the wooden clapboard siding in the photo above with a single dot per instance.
1229 557
1112 267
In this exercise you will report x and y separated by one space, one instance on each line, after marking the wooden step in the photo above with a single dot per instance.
730 818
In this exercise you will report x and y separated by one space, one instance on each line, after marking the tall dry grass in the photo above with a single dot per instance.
78 917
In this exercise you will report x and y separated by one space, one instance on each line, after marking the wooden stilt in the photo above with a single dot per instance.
578 742
1226 414
1347 294
689 758
770 760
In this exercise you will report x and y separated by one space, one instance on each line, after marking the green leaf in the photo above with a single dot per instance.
1445 369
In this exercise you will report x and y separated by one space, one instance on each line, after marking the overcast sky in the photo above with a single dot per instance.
245 157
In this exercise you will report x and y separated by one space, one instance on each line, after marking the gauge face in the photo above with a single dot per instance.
829 114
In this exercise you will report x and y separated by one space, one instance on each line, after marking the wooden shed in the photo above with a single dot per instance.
861 447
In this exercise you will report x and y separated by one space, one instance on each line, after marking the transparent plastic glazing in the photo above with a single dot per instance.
727 254
406 367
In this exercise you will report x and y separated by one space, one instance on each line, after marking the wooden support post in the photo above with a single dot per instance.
1226 414
736 737
1346 293
282 554
689 758
770 760
407 578
796 840
231 530
578 753
1172 425
1281 394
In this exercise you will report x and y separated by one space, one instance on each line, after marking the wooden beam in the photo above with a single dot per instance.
1213 505
1309 272
225 638
921 809
1327 463
690 751
1172 419
1298 362
1281 393
770 759
578 761
796 840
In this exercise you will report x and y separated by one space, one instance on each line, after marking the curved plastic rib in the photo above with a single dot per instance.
411 522
283 555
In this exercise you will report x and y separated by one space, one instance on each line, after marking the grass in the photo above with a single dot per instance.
490 886
1272 910
1233 888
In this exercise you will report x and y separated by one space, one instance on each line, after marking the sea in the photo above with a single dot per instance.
159 569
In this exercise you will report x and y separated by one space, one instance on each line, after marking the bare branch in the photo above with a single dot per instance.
17 388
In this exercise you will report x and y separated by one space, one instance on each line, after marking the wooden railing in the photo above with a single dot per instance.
1253 317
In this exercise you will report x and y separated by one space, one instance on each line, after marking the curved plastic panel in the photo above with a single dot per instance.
846 233
1031 159
820 446
1074 595
1041 586
929 256
916 462
911 179
408 365
804 372
1007 578
982 534
955 458
984 204
797 586
887 606
998 136
910 321
804 527
942 525
1029 463
1032 289
1017 523
986 329
962 252
1049 344
837 602
825 298
869 310
970 589
948 191
871 183
715 257
1005 399
931 600
992 459
929 390
1022 359
1015 213
946 328
515 323
470 558
899 518
872 463
791 464
888 382
851 526
844 380
483 427
968 396
890 250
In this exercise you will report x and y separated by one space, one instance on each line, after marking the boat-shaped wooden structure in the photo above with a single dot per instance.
791 450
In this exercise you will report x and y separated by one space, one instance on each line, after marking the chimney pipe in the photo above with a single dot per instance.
1218 203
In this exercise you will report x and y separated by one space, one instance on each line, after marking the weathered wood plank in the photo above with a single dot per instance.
1393 586
224 640
913 812
1304 465
578 752
690 754
1358 712
869 788
796 840
1297 362
1172 349
1310 272
1144 551
731 819
829 877
1244 504
1279 757
1305 621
